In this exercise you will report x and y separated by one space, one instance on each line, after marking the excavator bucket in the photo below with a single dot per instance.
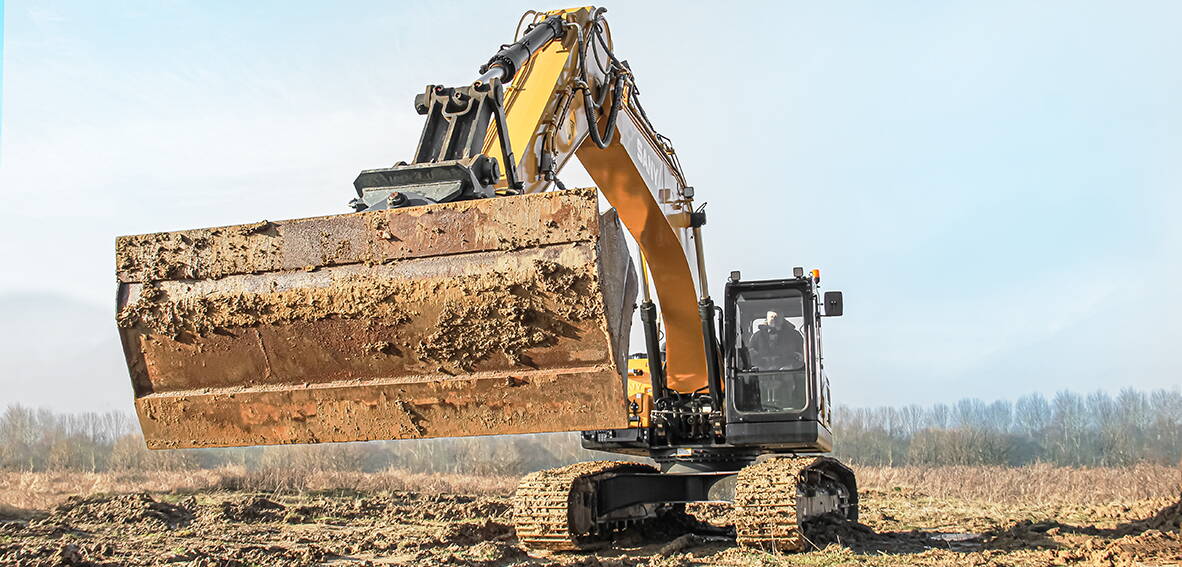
482 317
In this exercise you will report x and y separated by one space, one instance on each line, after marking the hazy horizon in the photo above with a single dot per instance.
992 185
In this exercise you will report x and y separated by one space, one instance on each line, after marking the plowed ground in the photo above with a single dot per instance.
900 527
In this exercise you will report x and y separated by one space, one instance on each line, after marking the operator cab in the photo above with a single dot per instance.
777 392
774 389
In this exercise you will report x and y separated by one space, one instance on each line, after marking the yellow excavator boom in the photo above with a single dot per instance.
637 171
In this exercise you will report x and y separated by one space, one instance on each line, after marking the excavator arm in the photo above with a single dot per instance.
461 298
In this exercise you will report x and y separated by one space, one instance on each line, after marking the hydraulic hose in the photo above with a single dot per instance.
615 75
589 106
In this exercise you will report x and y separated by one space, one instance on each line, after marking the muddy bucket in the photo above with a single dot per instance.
495 316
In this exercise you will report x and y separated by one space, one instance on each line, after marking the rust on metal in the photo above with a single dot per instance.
505 315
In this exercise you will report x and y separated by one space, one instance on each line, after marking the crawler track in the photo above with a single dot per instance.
775 497
766 507
554 509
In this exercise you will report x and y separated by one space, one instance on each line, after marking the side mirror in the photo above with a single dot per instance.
833 304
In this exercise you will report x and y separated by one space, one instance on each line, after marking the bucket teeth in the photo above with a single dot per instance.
493 316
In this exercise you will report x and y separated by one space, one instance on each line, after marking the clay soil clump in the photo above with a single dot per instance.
125 509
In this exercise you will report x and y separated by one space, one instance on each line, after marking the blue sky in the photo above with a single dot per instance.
1 67
993 185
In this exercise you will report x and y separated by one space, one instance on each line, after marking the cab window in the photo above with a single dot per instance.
770 351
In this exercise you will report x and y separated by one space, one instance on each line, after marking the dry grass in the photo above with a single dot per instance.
44 490
1039 483
1029 484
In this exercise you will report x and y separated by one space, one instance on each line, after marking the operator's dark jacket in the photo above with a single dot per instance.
771 348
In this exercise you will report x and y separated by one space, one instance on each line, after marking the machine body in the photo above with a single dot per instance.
463 297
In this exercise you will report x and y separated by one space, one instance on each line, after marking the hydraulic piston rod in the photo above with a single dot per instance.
505 64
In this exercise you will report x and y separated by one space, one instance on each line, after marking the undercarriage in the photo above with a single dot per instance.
580 506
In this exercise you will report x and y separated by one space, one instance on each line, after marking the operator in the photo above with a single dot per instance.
777 345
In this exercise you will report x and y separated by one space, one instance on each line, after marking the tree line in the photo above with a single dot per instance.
1068 429
42 440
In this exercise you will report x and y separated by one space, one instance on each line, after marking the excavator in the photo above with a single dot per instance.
471 293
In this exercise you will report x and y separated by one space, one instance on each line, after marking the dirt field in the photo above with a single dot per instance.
944 517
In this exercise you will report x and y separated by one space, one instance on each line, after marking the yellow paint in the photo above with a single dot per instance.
679 220
640 389
634 173
621 182
532 97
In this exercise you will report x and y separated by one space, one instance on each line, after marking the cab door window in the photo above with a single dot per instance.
771 374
